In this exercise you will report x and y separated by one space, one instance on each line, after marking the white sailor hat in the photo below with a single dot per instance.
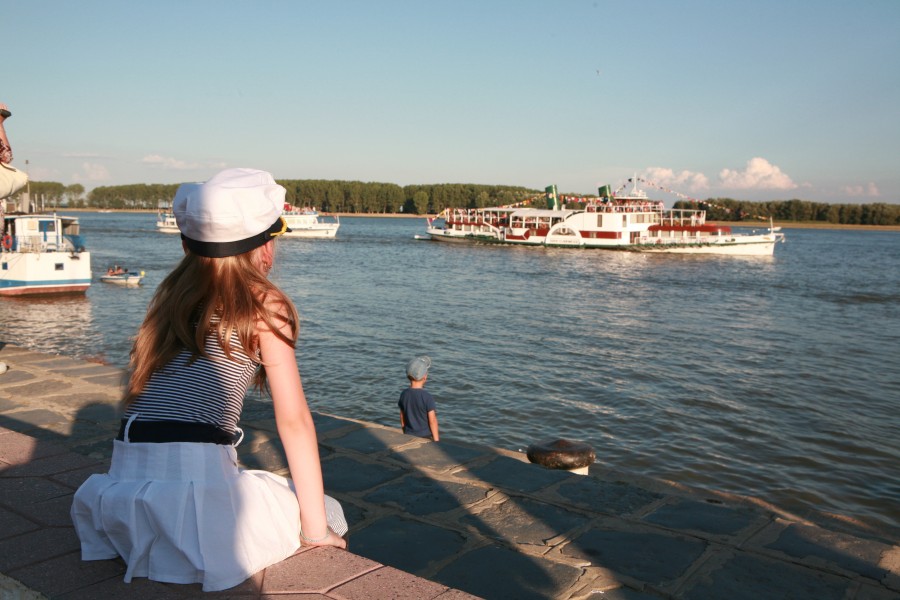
234 212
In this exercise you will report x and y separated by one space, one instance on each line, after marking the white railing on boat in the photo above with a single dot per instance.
36 243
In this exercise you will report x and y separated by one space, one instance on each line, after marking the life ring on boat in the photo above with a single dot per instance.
7 242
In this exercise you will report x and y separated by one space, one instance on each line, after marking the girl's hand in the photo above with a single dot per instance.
331 539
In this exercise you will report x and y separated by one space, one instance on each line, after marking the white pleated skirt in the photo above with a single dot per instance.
183 512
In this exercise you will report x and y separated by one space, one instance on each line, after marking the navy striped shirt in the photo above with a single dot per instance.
209 390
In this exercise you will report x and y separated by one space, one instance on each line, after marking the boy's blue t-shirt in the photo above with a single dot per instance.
415 404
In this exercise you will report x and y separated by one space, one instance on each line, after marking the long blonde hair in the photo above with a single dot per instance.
230 294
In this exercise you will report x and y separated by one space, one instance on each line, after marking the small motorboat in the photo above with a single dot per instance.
166 223
122 276
306 223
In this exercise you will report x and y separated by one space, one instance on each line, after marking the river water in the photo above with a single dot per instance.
775 377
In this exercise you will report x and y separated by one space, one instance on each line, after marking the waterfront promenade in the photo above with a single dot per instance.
448 520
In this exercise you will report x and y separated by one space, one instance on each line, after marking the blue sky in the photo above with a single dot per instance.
758 100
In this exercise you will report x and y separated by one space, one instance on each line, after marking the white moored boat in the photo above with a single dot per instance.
305 222
613 222
42 254
165 222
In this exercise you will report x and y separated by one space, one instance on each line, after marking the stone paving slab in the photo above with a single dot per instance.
419 496
439 457
408 544
445 520
513 474
496 571
704 518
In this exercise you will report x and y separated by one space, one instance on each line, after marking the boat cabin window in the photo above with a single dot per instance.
624 220
58 266
599 220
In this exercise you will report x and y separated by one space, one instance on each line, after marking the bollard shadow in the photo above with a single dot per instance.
466 516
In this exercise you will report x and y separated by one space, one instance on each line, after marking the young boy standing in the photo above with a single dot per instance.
417 407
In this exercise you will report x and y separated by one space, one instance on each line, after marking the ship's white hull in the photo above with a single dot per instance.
25 273
733 245
745 246
306 224
329 231
446 235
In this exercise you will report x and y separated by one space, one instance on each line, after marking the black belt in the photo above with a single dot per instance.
159 432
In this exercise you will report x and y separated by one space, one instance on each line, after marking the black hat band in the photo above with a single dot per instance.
223 249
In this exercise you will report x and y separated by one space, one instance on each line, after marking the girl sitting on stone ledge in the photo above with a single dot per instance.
174 504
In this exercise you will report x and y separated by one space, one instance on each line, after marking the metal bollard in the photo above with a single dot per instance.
567 455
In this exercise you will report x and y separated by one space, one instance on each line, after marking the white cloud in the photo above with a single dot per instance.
83 155
168 162
92 172
760 174
685 180
869 189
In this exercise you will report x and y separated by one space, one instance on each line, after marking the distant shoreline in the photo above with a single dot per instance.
760 225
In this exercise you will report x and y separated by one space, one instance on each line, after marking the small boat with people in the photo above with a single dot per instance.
306 222
41 254
165 222
612 221
122 276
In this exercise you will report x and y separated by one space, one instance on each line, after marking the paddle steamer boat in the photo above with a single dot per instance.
615 222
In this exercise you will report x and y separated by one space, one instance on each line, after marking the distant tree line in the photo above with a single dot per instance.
326 195
50 194
728 209
380 198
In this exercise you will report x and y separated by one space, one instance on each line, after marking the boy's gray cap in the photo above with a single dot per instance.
418 367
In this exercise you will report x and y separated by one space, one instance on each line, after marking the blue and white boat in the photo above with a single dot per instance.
42 254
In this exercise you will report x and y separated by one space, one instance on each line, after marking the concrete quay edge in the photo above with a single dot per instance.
448 520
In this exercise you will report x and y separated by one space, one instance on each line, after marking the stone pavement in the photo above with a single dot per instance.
431 520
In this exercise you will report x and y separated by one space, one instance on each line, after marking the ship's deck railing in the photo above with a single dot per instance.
37 243
625 207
